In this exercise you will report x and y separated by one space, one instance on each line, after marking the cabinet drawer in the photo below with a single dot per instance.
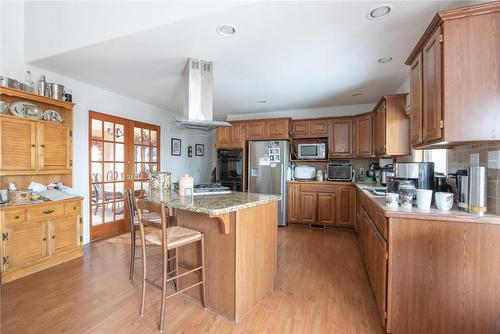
48 211
73 208
322 188
13 216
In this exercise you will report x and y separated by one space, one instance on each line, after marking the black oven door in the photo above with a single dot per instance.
230 167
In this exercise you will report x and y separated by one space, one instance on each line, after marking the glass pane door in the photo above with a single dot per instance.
146 156
107 174
123 153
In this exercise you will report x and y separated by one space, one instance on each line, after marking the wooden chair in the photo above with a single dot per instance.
169 238
134 226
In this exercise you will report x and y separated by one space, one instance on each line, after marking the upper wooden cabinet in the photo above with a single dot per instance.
233 136
34 146
31 147
454 84
276 128
340 137
363 135
391 126
416 101
310 128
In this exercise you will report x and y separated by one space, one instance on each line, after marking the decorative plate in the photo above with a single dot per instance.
52 116
26 109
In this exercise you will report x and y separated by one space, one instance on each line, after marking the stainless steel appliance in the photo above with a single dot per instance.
339 171
373 170
56 91
210 189
230 168
267 164
385 173
312 151
478 190
463 189
304 172
420 173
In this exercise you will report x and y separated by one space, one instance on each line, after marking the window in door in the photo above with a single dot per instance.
146 156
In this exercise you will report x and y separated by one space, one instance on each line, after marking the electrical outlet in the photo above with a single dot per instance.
362 171
474 160
494 159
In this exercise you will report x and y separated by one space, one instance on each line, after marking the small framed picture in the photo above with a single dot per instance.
175 147
199 150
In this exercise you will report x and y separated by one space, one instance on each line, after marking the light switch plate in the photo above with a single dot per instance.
494 159
474 160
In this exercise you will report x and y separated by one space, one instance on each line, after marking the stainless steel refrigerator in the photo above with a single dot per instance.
267 165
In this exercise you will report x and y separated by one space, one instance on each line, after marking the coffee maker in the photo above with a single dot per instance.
420 173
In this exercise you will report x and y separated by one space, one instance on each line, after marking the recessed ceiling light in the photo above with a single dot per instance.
226 30
356 94
261 101
384 60
379 12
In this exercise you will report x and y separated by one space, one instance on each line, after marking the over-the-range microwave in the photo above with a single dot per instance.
312 151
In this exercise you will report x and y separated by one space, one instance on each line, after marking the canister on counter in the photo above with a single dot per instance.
478 190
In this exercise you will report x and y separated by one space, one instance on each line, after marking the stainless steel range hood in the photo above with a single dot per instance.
198 99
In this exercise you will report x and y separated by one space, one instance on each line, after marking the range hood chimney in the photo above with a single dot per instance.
199 96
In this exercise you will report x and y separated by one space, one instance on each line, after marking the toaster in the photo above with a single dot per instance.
305 172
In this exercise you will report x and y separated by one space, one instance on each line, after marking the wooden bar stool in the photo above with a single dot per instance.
134 226
169 238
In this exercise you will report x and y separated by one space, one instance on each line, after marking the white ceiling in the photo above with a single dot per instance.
301 54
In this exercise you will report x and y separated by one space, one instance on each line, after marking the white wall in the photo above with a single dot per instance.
308 113
87 98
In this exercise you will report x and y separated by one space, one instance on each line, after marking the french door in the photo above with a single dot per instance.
122 154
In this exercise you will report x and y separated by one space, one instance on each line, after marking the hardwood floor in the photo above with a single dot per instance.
321 287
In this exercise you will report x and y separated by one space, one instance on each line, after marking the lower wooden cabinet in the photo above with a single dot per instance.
308 207
321 203
346 204
293 203
38 236
326 208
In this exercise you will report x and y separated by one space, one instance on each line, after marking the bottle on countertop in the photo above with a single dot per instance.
319 175
289 173
29 82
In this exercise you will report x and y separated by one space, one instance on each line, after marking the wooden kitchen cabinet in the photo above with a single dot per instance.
38 236
308 205
255 130
293 203
391 136
278 128
340 137
321 203
363 135
453 86
310 128
54 146
374 250
34 146
416 101
326 208
18 144
346 205
24 242
431 72
266 129
233 136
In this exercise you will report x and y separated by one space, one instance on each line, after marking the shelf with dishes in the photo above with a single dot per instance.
21 104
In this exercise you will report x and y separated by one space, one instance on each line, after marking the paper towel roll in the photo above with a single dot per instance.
186 184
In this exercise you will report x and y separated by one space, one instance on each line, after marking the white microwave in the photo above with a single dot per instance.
312 151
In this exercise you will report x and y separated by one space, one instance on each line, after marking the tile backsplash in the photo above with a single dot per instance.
460 158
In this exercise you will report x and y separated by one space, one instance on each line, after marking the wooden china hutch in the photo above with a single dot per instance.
37 236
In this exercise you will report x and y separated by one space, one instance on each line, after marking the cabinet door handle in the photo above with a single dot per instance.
42 145
33 145
53 237
16 217
44 239
48 212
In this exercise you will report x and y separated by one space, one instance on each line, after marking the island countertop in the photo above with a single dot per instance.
213 204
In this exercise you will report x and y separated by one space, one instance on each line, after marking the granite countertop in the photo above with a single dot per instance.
213 204
433 213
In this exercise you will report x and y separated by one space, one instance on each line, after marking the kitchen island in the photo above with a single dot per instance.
240 247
